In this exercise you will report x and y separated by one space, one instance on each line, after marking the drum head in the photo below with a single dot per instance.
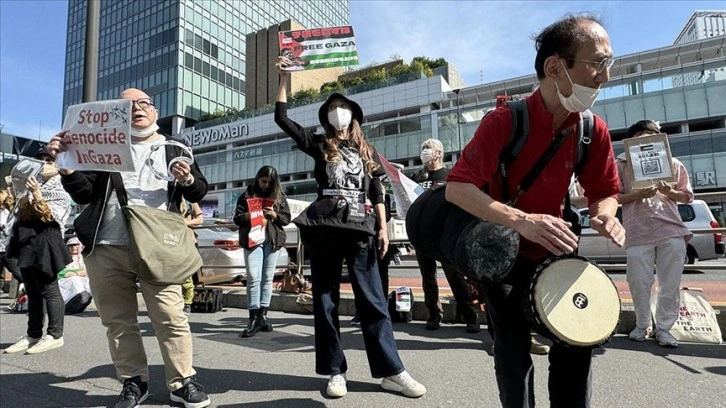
577 302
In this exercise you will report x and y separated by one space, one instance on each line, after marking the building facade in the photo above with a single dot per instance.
400 116
702 24
189 56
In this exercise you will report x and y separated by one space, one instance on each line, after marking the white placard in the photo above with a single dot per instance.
100 137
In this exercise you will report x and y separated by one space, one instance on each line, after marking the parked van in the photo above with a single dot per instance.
695 215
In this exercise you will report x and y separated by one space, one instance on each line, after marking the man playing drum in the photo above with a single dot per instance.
572 63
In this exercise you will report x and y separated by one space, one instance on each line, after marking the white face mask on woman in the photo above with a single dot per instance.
582 97
340 118
427 155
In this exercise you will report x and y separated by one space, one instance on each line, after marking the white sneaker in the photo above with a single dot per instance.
405 384
640 334
336 386
22 344
46 343
666 339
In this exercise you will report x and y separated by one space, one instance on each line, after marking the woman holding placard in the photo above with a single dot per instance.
261 214
346 223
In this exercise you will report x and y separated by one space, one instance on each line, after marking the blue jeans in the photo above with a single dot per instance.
260 262
326 269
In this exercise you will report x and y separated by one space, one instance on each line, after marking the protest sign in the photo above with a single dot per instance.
100 137
318 48
649 159
21 172
258 222
405 191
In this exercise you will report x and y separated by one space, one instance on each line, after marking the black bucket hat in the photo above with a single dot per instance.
42 152
355 108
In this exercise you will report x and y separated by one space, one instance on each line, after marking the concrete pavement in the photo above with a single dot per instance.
277 369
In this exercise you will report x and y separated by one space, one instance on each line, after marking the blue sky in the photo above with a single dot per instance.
483 39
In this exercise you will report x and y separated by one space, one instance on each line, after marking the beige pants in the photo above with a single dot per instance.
113 285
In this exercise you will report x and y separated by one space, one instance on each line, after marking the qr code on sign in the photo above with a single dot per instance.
650 167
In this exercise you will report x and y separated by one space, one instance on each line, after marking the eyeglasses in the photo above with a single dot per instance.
600 65
143 103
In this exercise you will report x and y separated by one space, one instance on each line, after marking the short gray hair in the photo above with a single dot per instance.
434 144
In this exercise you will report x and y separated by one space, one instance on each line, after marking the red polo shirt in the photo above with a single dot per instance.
479 163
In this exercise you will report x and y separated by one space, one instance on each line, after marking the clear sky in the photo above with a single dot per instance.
485 40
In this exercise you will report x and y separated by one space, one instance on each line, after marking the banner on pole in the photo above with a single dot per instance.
319 48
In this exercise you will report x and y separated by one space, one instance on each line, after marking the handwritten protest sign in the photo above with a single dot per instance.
649 158
100 137
258 222
319 48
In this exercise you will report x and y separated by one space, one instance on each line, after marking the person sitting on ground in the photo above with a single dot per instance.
73 280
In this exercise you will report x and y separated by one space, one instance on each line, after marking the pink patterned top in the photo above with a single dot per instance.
652 220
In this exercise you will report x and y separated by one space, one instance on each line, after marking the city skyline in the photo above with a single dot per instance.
32 50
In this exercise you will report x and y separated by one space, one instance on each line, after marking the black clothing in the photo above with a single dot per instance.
274 230
94 188
42 291
431 179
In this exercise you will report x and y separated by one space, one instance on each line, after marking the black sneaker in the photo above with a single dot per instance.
473 327
191 394
133 393
355 321
434 322
187 309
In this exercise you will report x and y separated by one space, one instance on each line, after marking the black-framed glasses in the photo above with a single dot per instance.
143 103
600 65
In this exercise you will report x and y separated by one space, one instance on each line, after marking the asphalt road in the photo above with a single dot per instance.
276 369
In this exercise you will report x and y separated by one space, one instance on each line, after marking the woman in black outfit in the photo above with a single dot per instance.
340 225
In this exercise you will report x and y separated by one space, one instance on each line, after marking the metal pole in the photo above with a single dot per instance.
90 62
458 122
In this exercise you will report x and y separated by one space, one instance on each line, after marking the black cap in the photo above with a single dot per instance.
43 152
355 108
645 125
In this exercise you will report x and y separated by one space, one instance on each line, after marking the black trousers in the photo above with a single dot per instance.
42 290
459 287
12 265
570 375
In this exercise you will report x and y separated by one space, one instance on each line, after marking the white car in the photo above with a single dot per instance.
224 260
695 215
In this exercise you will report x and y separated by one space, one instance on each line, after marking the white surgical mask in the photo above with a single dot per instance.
427 155
146 132
582 97
340 118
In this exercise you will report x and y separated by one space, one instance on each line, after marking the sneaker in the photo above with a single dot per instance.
337 386
639 334
46 343
539 348
434 322
405 384
355 321
473 327
187 309
666 339
133 393
191 394
22 344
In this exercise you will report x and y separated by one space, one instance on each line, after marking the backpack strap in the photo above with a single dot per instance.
585 131
520 131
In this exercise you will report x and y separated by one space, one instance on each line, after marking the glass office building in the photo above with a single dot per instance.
399 116
189 56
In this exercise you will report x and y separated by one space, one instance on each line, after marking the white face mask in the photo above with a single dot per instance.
582 97
140 133
427 155
340 118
